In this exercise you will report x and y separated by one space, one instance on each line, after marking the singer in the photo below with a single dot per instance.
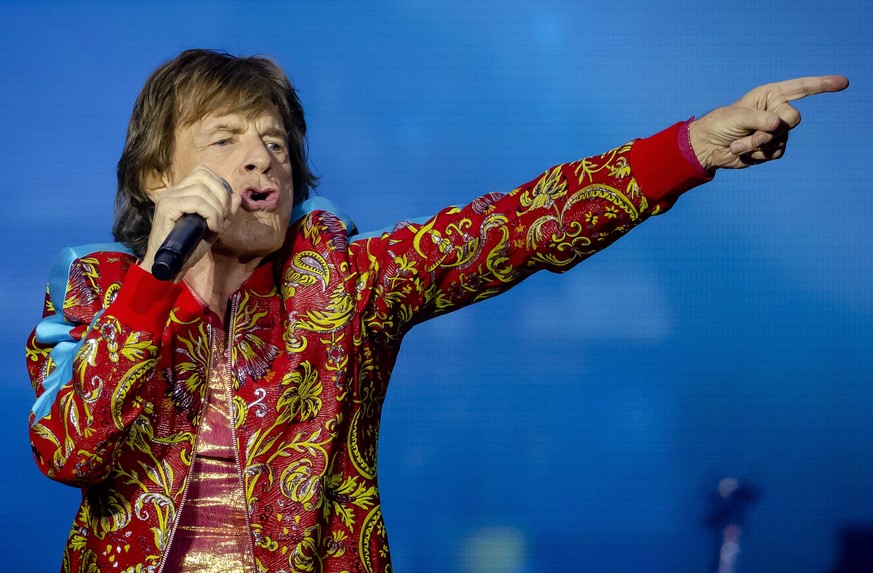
227 420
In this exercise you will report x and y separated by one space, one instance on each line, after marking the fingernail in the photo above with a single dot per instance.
227 186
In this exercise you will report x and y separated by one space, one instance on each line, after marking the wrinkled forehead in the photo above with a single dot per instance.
221 122
195 105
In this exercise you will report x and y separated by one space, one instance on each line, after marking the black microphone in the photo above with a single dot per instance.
178 246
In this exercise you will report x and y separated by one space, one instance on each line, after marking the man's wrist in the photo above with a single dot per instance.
691 152
662 170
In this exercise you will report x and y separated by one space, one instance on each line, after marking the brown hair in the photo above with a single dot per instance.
181 92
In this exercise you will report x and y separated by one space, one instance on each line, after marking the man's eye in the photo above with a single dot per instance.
277 147
221 142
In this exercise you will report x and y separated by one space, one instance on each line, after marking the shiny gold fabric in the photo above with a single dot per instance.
212 535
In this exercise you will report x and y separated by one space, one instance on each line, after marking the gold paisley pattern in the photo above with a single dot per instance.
312 341
306 269
302 398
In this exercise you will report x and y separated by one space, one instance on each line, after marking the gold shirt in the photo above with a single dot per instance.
213 535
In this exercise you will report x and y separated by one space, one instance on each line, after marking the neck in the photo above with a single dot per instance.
216 277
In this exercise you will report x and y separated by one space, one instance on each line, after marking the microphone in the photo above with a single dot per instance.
180 243
178 246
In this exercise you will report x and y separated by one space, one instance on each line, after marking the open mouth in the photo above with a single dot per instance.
256 199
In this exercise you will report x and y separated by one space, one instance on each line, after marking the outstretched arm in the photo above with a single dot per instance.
755 128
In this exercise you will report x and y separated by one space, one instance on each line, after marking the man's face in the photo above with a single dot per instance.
250 153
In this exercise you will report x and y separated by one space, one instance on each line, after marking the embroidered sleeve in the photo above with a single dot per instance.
88 360
425 268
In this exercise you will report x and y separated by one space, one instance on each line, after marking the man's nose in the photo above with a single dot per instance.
257 157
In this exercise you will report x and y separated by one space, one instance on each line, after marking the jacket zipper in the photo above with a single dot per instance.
228 381
203 405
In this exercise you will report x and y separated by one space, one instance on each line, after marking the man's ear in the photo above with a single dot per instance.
154 183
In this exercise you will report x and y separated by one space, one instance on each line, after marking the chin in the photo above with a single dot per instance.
254 240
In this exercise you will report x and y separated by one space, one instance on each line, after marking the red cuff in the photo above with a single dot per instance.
144 303
662 170
683 138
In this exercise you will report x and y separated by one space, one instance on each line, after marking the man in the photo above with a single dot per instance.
228 420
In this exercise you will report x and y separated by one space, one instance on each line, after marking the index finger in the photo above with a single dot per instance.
797 88
212 180
802 87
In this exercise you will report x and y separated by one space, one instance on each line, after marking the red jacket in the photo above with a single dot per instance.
120 361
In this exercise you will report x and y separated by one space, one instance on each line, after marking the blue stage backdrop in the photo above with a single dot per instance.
580 422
